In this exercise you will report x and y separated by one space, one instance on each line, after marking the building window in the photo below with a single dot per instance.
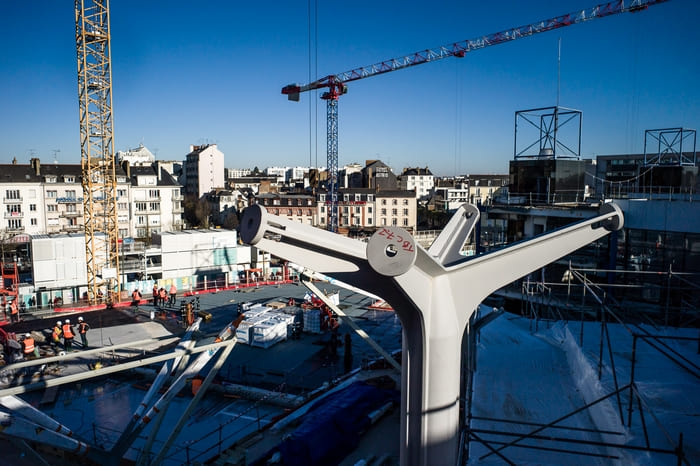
122 206
121 192
394 201
140 220
14 209
289 211
369 209
345 210
383 222
369 221
323 209
357 210
52 194
51 208
14 224
356 221
154 206
393 222
370 197
299 212
383 211
12 194
33 221
383 201
405 202
140 207
32 207
394 211
70 193
154 193
69 179
405 211
322 197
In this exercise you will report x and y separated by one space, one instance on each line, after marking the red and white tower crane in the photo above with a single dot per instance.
336 83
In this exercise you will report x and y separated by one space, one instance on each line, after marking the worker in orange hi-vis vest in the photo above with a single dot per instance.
173 294
136 299
14 311
162 296
83 327
28 345
68 335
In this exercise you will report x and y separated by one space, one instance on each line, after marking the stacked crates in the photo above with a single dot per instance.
312 320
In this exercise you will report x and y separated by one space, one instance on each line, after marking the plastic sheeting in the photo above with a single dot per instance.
332 427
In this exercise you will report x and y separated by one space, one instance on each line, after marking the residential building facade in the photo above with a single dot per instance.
203 169
420 180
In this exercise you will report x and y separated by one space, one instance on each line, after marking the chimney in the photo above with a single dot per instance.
34 163
158 169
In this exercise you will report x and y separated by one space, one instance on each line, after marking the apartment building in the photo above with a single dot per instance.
296 207
48 199
397 208
155 201
203 169
419 179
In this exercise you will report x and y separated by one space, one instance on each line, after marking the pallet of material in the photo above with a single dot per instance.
312 320
268 333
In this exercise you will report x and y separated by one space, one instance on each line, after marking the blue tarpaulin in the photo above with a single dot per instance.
332 427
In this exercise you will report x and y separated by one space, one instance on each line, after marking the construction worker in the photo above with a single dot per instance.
14 311
136 299
83 327
155 294
162 295
68 335
56 334
28 345
173 294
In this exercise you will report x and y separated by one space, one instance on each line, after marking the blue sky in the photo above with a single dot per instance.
213 72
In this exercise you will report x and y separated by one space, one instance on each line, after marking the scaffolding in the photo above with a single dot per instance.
595 306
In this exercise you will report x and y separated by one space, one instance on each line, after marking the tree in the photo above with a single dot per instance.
202 212
231 220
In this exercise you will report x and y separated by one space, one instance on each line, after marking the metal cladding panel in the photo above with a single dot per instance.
176 261
243 254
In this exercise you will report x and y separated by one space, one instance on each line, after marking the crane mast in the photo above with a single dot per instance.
92 37
336 82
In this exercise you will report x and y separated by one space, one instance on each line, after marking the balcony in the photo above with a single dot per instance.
12 200
71 228
14 214
70 214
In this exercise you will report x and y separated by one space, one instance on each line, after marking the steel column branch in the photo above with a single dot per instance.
434 293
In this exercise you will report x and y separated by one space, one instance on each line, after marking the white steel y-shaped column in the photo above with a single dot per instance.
434 293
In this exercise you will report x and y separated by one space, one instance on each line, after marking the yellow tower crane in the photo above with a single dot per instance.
92 38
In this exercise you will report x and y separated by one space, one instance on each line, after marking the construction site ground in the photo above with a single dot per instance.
294 368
